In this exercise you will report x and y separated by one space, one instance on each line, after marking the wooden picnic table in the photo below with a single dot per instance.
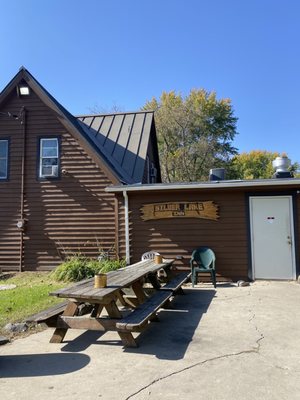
107 299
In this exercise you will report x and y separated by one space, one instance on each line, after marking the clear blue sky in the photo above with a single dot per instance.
90 53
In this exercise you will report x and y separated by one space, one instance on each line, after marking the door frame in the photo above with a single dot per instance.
293 220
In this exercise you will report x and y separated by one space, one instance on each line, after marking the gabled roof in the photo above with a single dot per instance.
123 138
118 143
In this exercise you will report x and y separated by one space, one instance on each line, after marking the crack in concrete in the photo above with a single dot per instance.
255 350
258 343
249 351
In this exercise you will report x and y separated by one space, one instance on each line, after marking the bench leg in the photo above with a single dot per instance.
138 290
112 310
60 333
97 311
179 291
154 318
127 339
120 296
154 281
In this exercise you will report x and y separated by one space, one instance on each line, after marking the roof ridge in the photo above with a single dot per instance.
116 113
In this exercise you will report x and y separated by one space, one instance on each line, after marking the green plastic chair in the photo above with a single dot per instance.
203 260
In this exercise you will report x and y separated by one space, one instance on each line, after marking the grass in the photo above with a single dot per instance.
30 295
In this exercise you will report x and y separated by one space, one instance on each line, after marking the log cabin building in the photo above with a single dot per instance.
54 169
253 226
89 184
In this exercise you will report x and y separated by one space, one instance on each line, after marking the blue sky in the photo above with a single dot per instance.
116 52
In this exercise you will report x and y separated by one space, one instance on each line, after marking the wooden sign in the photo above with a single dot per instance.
187 209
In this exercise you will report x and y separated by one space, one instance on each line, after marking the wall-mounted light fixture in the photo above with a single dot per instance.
21 224
23 90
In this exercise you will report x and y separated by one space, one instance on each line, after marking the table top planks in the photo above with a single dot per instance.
116 280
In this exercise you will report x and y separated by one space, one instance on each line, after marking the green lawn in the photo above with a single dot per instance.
30 295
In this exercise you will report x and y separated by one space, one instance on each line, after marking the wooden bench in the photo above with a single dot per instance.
48 316
176 283
137 319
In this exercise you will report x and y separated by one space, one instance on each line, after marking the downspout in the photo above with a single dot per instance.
21 222
127 244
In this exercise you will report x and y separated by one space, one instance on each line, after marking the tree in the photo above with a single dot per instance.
257 164
115 108
195 133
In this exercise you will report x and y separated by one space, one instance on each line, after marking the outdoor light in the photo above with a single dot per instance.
24 90
21 224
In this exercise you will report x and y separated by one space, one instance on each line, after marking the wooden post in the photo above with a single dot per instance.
60 333
137 287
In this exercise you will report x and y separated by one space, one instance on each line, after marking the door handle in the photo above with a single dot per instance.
289 240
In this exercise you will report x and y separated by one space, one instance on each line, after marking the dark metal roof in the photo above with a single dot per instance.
123 139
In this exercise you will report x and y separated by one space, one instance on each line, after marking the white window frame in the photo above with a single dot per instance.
53 169
5 158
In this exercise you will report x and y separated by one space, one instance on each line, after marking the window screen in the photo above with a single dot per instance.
49 158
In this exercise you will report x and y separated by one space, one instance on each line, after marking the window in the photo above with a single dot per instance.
4 159
49 158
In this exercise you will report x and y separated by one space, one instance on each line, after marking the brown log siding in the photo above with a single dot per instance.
179 236
228 236
69 215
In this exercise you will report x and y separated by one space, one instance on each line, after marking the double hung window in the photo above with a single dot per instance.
3 159
49 158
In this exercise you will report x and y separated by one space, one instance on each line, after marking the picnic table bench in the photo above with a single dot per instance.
107 299
138 319
48 316
176 283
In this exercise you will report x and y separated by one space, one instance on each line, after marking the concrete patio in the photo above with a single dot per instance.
232 343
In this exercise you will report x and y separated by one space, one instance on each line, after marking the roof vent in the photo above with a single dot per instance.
281 165
217 174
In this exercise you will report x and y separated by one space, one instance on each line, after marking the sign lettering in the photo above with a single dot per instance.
195 209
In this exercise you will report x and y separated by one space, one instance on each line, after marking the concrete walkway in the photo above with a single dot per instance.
232 343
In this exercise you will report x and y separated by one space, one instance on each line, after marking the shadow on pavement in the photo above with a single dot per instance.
169 338
86 339
28 365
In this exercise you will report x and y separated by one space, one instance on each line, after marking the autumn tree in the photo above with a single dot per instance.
195 133
257 164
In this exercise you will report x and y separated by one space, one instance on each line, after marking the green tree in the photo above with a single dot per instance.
195 133
257 164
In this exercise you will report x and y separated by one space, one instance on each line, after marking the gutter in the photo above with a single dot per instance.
205 185
20 224
127 244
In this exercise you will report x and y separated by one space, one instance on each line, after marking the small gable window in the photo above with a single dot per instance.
49 158
4 159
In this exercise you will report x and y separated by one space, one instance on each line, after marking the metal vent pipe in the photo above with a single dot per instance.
281 166
217 174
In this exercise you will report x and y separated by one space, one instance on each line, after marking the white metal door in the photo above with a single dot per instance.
272 237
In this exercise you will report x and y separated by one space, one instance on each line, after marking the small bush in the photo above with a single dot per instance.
77 268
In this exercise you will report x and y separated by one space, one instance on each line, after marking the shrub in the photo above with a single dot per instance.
76 268
109 265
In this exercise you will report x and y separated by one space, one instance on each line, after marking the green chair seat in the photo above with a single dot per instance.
203 260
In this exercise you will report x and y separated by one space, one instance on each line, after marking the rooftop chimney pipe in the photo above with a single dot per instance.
281 165
217 174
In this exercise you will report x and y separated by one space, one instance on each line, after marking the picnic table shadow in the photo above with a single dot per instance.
30 365
167 339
